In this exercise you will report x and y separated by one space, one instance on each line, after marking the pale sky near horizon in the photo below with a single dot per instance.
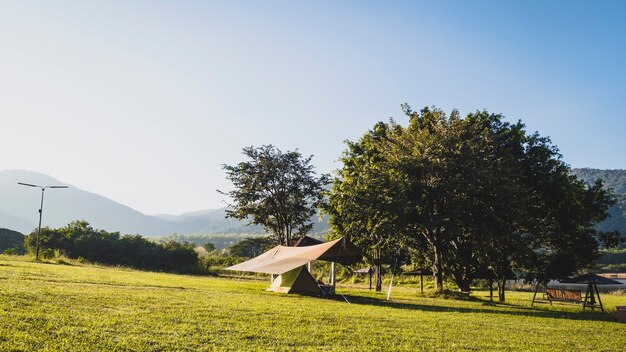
142 101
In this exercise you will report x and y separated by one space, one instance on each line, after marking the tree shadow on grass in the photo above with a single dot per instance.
495 308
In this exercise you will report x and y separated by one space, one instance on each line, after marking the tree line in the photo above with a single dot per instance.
79 240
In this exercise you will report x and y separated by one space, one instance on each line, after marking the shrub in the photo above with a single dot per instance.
10 251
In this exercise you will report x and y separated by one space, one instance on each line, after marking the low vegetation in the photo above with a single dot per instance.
76 307
220 241
79 240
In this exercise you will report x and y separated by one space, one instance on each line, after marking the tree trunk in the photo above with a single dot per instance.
463 281
437 269
379 271
501 288
379 277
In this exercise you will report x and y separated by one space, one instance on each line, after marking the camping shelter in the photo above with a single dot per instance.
290 264
305 241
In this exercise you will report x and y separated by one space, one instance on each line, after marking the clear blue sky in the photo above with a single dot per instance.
142 101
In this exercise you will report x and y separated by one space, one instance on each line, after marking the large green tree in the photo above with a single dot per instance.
478 194
280 191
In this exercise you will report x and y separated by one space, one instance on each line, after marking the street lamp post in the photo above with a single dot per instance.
43 188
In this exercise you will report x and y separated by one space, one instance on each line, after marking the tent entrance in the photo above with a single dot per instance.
297 280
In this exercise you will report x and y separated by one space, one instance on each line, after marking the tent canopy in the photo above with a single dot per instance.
282 259
590 278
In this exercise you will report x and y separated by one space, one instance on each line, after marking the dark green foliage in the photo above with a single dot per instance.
79 239
11 242
476 194
280 191
251 247
220 241
214 263
209 246
561 218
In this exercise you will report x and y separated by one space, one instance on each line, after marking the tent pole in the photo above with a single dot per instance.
421 283
391 281
390 285
332 269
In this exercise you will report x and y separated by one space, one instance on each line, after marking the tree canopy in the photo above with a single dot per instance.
280 191
479 195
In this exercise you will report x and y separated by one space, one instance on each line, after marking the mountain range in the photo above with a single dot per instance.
19 209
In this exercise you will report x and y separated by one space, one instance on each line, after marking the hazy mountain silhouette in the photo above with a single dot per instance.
19 211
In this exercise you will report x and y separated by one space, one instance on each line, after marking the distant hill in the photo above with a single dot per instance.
616 180
19 207
213 221
19 211
10 239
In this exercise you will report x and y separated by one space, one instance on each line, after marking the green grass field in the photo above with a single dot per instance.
74 307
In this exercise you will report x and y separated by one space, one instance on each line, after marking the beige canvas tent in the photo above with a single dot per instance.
290 264
298 280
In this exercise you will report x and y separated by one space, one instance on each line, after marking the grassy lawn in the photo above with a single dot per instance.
74 307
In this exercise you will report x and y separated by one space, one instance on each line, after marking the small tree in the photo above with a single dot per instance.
209 247
280 191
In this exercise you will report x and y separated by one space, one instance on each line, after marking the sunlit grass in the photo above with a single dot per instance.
45 306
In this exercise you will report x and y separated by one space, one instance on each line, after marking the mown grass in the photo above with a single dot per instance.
45 306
